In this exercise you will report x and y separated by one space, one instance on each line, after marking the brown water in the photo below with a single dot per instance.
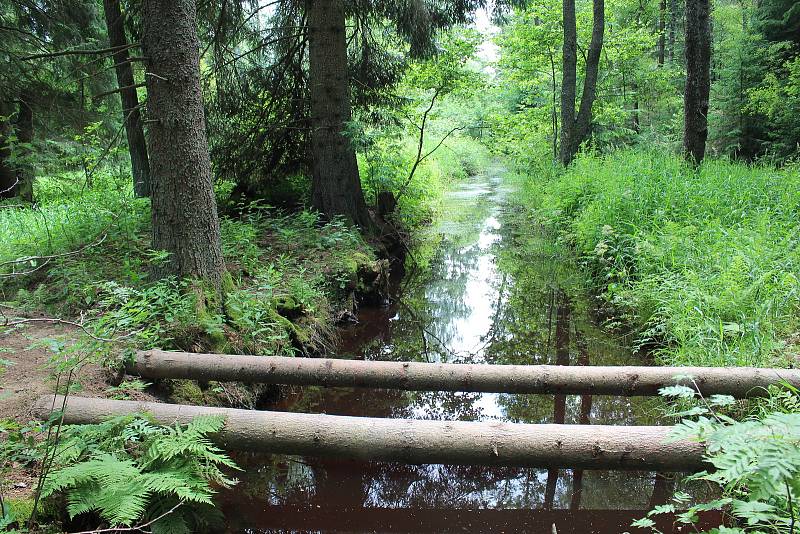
497 291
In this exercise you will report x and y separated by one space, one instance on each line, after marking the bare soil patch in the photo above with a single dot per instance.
29 377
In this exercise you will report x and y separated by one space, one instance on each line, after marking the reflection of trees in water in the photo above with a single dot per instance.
539 316
351 484
444 486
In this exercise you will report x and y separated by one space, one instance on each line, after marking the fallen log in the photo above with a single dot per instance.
415 441
739 382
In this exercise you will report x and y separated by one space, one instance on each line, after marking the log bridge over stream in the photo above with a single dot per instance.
494 443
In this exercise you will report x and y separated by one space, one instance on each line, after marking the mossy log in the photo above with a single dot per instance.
415 441
740 382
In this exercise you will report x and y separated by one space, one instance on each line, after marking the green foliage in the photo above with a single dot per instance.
703 263
126 388
286 270
778 99
129 470
436 103
635 100
756 463
163 314
754 98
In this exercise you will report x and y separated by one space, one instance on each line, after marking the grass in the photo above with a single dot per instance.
705 264
288 271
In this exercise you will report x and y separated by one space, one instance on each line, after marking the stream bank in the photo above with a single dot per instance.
496 290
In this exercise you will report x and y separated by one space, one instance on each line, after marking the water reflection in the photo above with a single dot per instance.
496 292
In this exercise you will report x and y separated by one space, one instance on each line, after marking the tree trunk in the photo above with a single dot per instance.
8 176
673 22
25 170
336 186
569 81
184 210
698 80
575 130
137 147
414 376
662 16
642 448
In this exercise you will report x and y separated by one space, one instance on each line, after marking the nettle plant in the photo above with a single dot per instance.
755 462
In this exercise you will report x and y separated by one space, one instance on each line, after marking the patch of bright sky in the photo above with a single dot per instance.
488 51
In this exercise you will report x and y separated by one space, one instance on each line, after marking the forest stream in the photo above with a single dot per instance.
493 293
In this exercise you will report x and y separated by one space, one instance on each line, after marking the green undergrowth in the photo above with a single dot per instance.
126 472
386 167
84 254
752 458
704 263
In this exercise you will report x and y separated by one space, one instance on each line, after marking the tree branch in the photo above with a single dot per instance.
118 90
79 52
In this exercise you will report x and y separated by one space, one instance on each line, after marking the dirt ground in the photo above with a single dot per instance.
29 377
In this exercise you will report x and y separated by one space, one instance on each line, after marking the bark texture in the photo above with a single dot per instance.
184 210
698 79
8 176
575 129
414 376
673 22
416 441
336 186
132 117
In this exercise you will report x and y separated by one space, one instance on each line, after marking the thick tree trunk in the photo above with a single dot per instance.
336 186
8 176
575 130
184 210
415 376
131 115
414 441
25 170
698 79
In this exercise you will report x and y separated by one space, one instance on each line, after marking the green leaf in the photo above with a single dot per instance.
662 509
644 522
682 392
721 400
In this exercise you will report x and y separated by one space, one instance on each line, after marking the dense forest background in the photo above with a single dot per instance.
61 106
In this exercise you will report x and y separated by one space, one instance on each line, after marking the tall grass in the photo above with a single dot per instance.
705 263
69 215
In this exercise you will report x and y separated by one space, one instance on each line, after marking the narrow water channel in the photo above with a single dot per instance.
496 291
